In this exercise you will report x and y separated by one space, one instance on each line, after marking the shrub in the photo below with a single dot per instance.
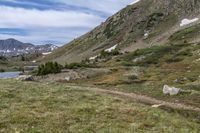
105 54
3 58
186 52
2 70
20 69
172 60
49 67
82 64
152 55
132 77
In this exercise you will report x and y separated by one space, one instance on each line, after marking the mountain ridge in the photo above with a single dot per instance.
143 24
12 47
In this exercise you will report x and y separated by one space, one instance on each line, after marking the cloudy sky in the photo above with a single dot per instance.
53 21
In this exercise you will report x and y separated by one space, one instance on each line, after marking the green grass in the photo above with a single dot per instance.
186 34
171 64
156 55
29 107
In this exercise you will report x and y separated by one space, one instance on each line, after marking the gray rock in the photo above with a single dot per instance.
171 90
25 78
68 78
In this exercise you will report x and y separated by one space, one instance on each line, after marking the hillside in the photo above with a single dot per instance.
157 43
145 71
143 24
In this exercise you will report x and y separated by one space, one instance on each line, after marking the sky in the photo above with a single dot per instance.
53 21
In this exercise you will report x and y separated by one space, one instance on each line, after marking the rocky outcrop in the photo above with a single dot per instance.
25 78
129 28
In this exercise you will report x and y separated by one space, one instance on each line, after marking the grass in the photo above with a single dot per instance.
171 64
156 55
186 34
28 107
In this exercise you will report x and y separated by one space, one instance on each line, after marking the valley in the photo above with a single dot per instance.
136 72
31 107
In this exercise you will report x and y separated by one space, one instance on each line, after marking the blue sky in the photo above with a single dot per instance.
53 21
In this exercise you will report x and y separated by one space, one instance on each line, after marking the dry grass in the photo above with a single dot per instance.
28 107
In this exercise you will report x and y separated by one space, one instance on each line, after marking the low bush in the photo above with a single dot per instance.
186 52
172 60
154 54
105 54
2 70
82 64
3 58
132 77
48 68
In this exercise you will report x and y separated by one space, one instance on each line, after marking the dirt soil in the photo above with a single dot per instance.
142 99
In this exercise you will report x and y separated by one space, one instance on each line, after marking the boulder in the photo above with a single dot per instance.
68 78
25 78
171 90
156 105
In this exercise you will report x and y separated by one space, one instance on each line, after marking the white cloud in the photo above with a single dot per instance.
20 18
56 25
45 35
107 6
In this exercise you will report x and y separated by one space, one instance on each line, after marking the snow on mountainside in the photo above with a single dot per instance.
136 1
12 47
185 22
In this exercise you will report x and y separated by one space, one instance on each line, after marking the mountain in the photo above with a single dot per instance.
139 25
12 47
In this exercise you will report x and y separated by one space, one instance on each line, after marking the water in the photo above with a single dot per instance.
9 74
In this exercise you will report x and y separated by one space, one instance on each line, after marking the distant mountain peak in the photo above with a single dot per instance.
12 47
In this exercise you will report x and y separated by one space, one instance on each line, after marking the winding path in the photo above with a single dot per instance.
141 98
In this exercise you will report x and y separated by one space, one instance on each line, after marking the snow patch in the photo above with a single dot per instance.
53 47
93 58
112 48
146 34
46 53
156 105
188 21
8 51
135 1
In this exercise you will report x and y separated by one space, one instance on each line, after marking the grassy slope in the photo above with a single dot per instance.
37 107
175 63
127 29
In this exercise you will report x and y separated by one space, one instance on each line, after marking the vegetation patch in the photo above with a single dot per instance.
31 107
48 68
186 34
153 55
153 20
83 64
105 54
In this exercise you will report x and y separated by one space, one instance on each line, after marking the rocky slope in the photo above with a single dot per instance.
12 47
140 25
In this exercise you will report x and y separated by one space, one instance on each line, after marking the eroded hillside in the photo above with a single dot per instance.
143 24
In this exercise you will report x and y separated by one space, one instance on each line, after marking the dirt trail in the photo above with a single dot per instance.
142 99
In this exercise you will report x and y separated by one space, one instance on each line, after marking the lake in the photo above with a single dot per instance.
9 74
